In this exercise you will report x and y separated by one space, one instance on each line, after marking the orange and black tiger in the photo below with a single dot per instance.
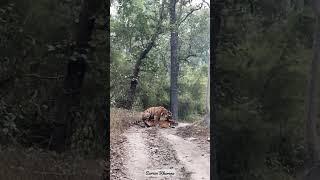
147 122
152 117
167 123
156 113
153 123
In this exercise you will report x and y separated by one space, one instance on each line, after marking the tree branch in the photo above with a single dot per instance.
189 13
203 1
187 57
154 37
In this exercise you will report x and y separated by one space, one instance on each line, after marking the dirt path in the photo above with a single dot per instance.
195 159
136 149
153 153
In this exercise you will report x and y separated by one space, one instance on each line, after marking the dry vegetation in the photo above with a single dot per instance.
194 130
120 121
36 164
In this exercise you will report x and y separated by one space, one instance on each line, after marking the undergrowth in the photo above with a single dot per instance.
38 164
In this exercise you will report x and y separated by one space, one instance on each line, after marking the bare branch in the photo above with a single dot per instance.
187 57
203 1
189 13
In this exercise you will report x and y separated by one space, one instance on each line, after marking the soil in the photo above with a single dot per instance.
156 153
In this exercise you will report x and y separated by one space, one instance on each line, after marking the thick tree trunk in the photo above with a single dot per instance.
106 101
215 23
312 140
174 61
104 133
207 116
312 102
75 73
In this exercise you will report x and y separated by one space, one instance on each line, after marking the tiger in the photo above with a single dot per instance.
152 117
153 123
145 123
167 123
156 113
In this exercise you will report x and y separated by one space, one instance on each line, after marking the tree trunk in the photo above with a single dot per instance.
104 133
313 90
311 135
312 99
174 61
142 56
106 116
207 116
215 23
75 73
136 71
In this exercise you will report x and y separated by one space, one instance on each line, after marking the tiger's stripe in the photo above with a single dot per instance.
152 117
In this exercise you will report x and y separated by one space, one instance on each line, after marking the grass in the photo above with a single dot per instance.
120 120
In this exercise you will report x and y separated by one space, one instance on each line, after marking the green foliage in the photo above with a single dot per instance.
192 86
131 29
36 40
263 59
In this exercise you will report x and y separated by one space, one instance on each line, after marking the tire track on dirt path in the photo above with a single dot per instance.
137 161
154 149
163 156
195 158
147 150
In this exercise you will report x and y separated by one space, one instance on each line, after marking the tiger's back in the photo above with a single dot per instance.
152 117
156 113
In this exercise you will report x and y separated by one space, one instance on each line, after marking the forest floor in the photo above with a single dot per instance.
180 153
37 164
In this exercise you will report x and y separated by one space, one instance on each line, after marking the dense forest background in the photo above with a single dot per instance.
53 56
264 54
139 27
263 57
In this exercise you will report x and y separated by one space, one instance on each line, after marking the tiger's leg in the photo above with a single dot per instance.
157 120
147 123
150 123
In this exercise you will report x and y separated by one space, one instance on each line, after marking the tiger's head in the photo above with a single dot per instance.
166 114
